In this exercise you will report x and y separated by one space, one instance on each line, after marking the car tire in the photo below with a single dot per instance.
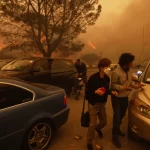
38 136
132 135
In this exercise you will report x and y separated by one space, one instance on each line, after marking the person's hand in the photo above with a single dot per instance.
141 85
99 92
128 88
114 93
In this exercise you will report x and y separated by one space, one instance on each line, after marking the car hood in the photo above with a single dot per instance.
10 73
144 94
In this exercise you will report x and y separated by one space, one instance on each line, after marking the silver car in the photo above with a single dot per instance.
139 109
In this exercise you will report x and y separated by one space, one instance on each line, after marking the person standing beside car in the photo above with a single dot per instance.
121 81
96 94
81 70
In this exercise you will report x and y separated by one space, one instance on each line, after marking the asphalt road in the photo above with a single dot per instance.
64 138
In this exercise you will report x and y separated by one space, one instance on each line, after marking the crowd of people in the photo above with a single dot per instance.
98 87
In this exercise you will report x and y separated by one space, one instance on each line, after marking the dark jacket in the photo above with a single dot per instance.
81 68
95 82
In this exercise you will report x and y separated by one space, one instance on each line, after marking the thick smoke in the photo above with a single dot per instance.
126 33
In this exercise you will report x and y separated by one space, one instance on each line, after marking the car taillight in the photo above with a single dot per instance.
65 100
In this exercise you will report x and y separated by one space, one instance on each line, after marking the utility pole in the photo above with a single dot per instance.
143 44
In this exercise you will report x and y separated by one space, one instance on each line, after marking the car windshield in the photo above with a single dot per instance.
147 75
18 65
143 66
3 63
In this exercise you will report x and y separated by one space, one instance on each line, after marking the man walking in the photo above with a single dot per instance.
97 93
121 81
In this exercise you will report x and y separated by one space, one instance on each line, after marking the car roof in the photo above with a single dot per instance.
5 60
36 58
15 81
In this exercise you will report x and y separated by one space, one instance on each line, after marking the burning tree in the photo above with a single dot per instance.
49 24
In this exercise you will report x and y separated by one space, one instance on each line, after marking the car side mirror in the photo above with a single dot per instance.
135 77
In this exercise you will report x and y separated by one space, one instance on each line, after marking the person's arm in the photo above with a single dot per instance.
111 92
115 82
134 85
84 68
90 87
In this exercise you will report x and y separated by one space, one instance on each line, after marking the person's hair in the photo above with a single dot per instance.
125 59
104 62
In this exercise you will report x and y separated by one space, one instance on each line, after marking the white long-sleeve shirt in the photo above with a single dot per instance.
120 79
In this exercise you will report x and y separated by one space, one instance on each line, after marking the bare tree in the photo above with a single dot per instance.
52 23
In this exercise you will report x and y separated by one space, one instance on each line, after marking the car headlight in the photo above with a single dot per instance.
139 72
141 108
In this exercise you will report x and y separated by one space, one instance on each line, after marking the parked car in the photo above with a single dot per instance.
29 114
4 62
58 72
139 109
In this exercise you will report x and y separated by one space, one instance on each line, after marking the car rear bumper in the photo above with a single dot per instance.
61 118
139 124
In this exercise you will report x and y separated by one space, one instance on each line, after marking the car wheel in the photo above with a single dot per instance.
39 136
132 135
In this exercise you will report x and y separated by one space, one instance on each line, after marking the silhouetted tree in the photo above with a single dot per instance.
49 24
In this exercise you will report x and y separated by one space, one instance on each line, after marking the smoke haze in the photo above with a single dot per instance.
122 32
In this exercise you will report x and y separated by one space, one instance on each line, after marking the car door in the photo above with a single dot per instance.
40 72
57 72
14 111
61 72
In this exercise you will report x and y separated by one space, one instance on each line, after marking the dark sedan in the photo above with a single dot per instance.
29 114
57 72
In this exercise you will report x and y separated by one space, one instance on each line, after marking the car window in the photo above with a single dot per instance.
18 65
147 75
61 64
41 65
143 66
11 95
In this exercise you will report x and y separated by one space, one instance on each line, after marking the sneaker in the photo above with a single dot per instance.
116 142
99 147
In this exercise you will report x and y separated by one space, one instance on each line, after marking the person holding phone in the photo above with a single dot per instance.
96 94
